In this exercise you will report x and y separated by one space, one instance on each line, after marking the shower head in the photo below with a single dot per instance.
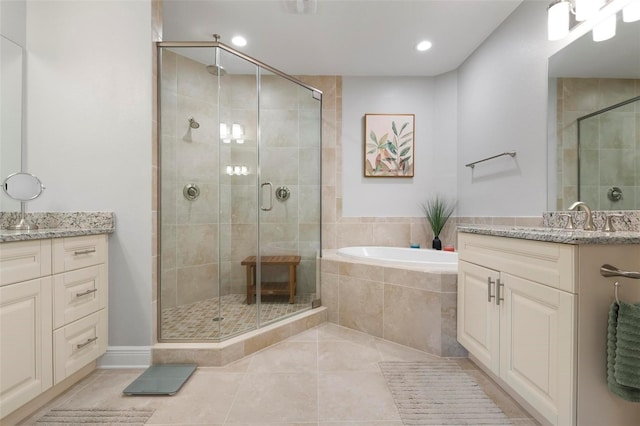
193 123
216 70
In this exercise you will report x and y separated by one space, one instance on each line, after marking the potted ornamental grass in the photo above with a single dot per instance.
437 211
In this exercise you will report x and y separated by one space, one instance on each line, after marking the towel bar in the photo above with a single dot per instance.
611 271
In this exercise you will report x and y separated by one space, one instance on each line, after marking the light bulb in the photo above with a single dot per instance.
236 170
558 20
605 29
631 12
224 130
587 9
244 170
241 141
229 170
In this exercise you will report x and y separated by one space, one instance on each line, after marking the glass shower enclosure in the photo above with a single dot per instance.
239 193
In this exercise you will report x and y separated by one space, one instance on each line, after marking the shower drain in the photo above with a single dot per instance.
218 318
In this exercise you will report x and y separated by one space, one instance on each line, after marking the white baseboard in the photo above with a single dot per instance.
126 357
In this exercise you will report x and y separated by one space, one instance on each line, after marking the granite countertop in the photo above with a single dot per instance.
58 225
554 235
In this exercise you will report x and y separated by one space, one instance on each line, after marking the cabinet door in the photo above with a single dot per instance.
25 342
478 323
537 344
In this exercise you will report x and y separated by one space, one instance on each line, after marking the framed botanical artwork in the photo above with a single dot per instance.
389 145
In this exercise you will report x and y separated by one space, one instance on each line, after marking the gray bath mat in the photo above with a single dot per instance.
90 416
439 393
163 379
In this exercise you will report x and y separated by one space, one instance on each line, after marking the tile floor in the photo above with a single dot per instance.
201 320
328 375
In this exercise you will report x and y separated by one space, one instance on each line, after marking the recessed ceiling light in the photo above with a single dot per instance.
423 45
239 41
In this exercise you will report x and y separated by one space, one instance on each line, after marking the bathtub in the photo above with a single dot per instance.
414 257
407 296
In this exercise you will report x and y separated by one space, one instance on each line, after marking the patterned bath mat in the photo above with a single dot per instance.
95 416
439 393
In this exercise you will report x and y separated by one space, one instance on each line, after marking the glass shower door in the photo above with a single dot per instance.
238 174
289 217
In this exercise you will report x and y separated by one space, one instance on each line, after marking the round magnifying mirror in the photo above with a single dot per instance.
22 186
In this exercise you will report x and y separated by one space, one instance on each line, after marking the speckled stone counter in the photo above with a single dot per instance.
555 235
57 225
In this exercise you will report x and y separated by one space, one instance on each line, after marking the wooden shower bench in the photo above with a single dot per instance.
279 288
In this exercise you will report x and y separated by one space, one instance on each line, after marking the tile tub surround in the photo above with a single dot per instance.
57 225
413 306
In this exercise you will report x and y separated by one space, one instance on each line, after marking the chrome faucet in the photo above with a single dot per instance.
588 223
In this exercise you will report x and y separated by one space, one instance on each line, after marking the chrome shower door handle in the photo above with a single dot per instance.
262 207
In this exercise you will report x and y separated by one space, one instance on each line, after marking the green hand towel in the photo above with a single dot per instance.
623 351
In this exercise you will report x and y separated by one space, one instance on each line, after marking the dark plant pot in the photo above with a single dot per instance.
436 244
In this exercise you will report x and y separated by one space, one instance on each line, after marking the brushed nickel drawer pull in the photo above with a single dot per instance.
82 345
87 251
489 295
84 293
499 298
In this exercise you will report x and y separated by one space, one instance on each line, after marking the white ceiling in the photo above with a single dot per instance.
343 37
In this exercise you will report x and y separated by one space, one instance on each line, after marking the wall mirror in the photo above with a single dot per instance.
10 114
22 187
594 123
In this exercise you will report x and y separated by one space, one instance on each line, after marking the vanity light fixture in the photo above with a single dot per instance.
631 12
423 46
560 11
237 170
236 134
239 41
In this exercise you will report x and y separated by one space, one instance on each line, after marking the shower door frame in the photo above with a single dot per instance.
316 94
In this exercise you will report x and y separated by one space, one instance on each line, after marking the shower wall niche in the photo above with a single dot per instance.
233 131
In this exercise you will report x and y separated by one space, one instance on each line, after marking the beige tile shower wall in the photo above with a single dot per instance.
189 229
619 131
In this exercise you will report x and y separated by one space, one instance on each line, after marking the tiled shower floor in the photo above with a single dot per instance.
198 320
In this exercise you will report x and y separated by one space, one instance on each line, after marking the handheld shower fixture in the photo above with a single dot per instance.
193 123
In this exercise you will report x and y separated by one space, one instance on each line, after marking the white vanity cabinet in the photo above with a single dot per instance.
533 314
53 316
516 322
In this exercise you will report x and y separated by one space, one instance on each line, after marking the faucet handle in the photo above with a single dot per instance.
570 224
608 225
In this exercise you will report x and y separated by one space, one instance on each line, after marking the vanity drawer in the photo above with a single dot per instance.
79 293
78 252
551 264
24 260
77 344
